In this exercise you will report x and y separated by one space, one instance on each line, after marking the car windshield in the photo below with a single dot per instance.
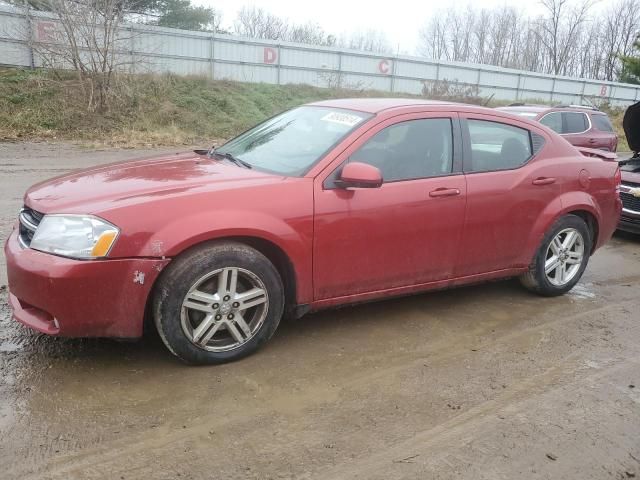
292 142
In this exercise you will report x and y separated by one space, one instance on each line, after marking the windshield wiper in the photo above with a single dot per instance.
233 159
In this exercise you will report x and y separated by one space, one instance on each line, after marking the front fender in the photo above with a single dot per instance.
293 238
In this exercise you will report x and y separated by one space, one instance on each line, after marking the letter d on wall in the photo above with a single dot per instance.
270 55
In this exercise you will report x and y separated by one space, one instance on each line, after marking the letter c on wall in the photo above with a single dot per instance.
383 66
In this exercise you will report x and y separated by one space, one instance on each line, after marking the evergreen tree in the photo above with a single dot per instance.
165 13
631 65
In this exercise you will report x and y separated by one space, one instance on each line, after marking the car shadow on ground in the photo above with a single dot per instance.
22 345
627 236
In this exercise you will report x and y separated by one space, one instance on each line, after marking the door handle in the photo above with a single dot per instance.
444 192
593 140
544 181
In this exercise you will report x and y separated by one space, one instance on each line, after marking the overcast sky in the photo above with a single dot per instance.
399 19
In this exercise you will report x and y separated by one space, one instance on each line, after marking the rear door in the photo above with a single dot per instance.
575 127
405 232
506 192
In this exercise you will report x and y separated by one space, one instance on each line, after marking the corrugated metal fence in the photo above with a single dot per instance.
155 49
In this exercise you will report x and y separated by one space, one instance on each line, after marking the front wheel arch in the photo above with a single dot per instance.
204 260
273 252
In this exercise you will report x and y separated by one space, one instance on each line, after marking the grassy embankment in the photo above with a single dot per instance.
150 110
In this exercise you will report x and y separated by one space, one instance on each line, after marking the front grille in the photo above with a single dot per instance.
630 202
631 220
29 221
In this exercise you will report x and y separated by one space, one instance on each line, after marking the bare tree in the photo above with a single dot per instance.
310 33
619 26
564 40
256 22
559 30
87 37
434 39
371 40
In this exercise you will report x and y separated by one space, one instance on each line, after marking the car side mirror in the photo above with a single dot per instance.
359 175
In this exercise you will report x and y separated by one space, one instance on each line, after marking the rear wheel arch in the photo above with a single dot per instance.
580 205
561 257
592 222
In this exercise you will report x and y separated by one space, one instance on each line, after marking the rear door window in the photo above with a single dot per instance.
497 146
574 122
553 121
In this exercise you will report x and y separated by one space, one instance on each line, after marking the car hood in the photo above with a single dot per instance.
94 189
631 125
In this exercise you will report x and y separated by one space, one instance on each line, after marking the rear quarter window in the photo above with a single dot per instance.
602 123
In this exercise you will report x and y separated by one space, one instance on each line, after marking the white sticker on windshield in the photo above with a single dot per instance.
342 118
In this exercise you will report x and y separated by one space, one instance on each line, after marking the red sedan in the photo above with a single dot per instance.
328 204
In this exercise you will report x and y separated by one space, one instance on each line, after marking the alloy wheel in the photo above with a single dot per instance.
564 257
224 309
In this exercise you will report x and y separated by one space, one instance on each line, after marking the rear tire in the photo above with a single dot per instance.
217 303
561 259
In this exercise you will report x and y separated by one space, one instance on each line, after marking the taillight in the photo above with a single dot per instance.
617 178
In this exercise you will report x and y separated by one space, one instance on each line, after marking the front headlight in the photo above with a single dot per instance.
75 236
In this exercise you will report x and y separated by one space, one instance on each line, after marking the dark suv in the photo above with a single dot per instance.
581 126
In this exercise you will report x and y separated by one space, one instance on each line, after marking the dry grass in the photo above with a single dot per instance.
147 110
616 115
164 110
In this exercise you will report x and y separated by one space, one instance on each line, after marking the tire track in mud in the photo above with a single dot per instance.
137 447
437 450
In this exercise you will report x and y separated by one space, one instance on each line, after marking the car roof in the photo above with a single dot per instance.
537 109
376 105
525 108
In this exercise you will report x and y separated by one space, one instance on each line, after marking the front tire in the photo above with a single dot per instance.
561 259
217 303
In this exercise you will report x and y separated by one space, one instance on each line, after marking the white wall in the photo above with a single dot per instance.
156 49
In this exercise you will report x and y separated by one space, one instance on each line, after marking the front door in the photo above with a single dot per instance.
405 232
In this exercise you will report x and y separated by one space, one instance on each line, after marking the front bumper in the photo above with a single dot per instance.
79 298
629 223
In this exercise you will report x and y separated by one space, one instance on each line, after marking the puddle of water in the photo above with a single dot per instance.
7 346
582 291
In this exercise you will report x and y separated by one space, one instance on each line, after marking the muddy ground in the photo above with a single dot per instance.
484 382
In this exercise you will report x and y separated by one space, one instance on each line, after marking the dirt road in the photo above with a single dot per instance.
484 382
